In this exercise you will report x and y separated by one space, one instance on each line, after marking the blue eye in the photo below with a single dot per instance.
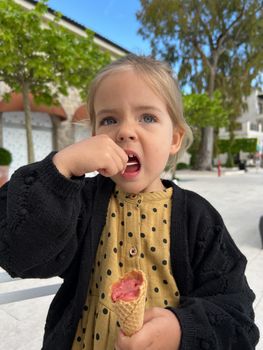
148 118
107 121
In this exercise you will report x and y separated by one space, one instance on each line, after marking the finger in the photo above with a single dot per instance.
139 341
112 151
119 161
114 156
122 155
103 172
121 341
111 144
124 342
151 313
113 164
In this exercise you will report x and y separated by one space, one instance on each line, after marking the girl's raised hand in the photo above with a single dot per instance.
161 330
98 153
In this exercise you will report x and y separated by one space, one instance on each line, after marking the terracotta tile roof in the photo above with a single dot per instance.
16 104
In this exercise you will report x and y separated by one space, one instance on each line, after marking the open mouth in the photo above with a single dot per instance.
133 164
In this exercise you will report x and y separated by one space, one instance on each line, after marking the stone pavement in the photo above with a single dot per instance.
237 196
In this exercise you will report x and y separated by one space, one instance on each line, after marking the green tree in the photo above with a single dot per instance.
210 43
200 111
41 57
234 146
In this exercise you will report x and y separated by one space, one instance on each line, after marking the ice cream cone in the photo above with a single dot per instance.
130 313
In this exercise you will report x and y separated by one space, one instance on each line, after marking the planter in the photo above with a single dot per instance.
4 172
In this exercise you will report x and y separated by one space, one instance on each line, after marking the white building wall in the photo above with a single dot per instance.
81 132
251 125
252 111
14 137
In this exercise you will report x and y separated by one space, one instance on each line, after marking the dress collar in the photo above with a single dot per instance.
143 196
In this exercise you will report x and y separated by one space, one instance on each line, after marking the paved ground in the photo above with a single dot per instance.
238 197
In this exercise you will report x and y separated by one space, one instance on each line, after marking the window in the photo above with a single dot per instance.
238 126
254 126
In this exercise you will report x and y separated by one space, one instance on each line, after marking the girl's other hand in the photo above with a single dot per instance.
161 330
98 153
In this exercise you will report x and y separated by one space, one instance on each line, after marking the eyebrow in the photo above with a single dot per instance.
138 108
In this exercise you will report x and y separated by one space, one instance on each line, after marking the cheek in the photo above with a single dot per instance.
102 130
166 141
161 152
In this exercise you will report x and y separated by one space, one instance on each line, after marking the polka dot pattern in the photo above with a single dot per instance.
136 235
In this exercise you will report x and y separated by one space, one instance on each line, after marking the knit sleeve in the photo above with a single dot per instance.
39 213
217 314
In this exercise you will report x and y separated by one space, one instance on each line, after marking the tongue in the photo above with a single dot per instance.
131 168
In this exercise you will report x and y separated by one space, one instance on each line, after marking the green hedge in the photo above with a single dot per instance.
5 157
237 145
181 166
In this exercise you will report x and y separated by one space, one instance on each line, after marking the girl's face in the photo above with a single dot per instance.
136 118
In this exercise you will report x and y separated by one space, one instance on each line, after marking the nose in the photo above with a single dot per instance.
126 132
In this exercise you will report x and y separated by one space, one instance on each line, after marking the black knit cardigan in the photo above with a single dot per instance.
51 226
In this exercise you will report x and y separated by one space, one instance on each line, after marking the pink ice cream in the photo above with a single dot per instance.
127 289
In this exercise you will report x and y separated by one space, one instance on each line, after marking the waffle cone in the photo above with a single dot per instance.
130 314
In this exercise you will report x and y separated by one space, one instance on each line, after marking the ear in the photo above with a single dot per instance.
176 141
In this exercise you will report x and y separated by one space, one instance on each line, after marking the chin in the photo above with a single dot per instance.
138 185
130 187
133 187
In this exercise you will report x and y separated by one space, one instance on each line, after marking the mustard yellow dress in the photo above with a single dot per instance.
136 236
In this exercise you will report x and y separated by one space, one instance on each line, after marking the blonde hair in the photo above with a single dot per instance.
160 77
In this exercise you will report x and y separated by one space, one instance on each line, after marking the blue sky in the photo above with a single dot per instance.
113 19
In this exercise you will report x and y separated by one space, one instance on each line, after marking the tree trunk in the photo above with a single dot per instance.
230 159
28 121
1 130
205 154
55 124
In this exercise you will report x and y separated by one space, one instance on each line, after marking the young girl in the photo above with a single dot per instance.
90 231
